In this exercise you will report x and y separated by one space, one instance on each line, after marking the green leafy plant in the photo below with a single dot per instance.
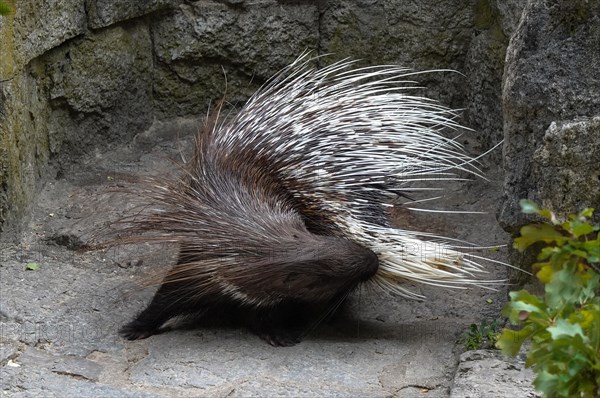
480 336
32 267
5 8
563 325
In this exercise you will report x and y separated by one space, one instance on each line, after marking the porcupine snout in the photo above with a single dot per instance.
347 259
371 265
364 260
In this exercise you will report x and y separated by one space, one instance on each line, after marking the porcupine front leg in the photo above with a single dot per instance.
282 326
172 299
160 310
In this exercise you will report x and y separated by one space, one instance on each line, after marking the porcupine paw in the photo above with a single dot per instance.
280 338
137 330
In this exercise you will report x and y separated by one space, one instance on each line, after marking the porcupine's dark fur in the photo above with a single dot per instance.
282 210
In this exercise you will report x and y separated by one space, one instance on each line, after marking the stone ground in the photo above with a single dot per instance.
58 324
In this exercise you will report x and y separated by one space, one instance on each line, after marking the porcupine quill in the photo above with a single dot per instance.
284 207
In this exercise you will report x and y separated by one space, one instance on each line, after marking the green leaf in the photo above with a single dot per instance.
593 249
510 341
520 306
582 229
545 273
524 302
587 212
5 8
564 328
546 383
547 252
564 289
580 253
534 233
529 206
526 298
32 266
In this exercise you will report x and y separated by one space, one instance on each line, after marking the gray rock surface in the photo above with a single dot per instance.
494 23
40 26
565 166
24 141
206 49
486 373
103 13
61 321
104 79
78 368
420 35
510 12
28 381
551 75
9 350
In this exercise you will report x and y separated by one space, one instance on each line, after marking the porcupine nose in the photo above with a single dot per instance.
370 264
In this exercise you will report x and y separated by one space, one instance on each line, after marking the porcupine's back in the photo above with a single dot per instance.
240 236
342 142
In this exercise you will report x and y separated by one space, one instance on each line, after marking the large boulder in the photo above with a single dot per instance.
551 75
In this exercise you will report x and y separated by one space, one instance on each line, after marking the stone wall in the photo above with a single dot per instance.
551 94
78 75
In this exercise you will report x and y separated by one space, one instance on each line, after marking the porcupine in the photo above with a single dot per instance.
283 208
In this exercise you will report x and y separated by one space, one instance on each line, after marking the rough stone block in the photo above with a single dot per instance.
40 25
102 13
487 373
551 74
201 46
420 35
566 167
100 88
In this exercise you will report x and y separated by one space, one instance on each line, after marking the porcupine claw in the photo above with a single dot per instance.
136 330
280 338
